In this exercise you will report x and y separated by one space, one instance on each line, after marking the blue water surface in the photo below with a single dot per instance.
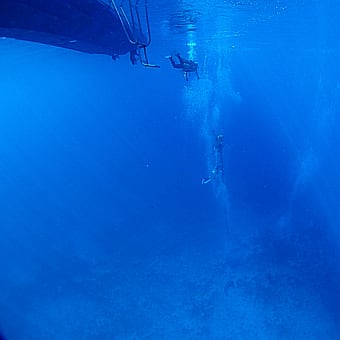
106 229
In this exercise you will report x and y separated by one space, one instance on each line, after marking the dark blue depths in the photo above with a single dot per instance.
100 177
282 162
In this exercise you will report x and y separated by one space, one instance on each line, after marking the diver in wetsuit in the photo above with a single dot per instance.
219 166
187 66
134 57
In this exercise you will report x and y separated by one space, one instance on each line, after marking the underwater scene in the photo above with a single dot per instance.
174 175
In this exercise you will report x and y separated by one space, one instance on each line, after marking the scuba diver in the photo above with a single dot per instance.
134 57
219 166
187 66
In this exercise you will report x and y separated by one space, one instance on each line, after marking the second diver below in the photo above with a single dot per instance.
218 170
186 65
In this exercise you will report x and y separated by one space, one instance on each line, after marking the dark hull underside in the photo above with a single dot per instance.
83 25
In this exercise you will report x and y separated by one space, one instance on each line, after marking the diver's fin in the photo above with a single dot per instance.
206 180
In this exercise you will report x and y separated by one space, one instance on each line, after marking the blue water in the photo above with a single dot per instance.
106 229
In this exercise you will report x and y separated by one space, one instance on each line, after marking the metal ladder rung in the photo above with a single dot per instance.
133 29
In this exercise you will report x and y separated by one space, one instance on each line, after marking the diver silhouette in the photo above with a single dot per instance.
218 170
186 65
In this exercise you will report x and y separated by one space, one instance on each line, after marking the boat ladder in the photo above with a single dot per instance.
136 26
